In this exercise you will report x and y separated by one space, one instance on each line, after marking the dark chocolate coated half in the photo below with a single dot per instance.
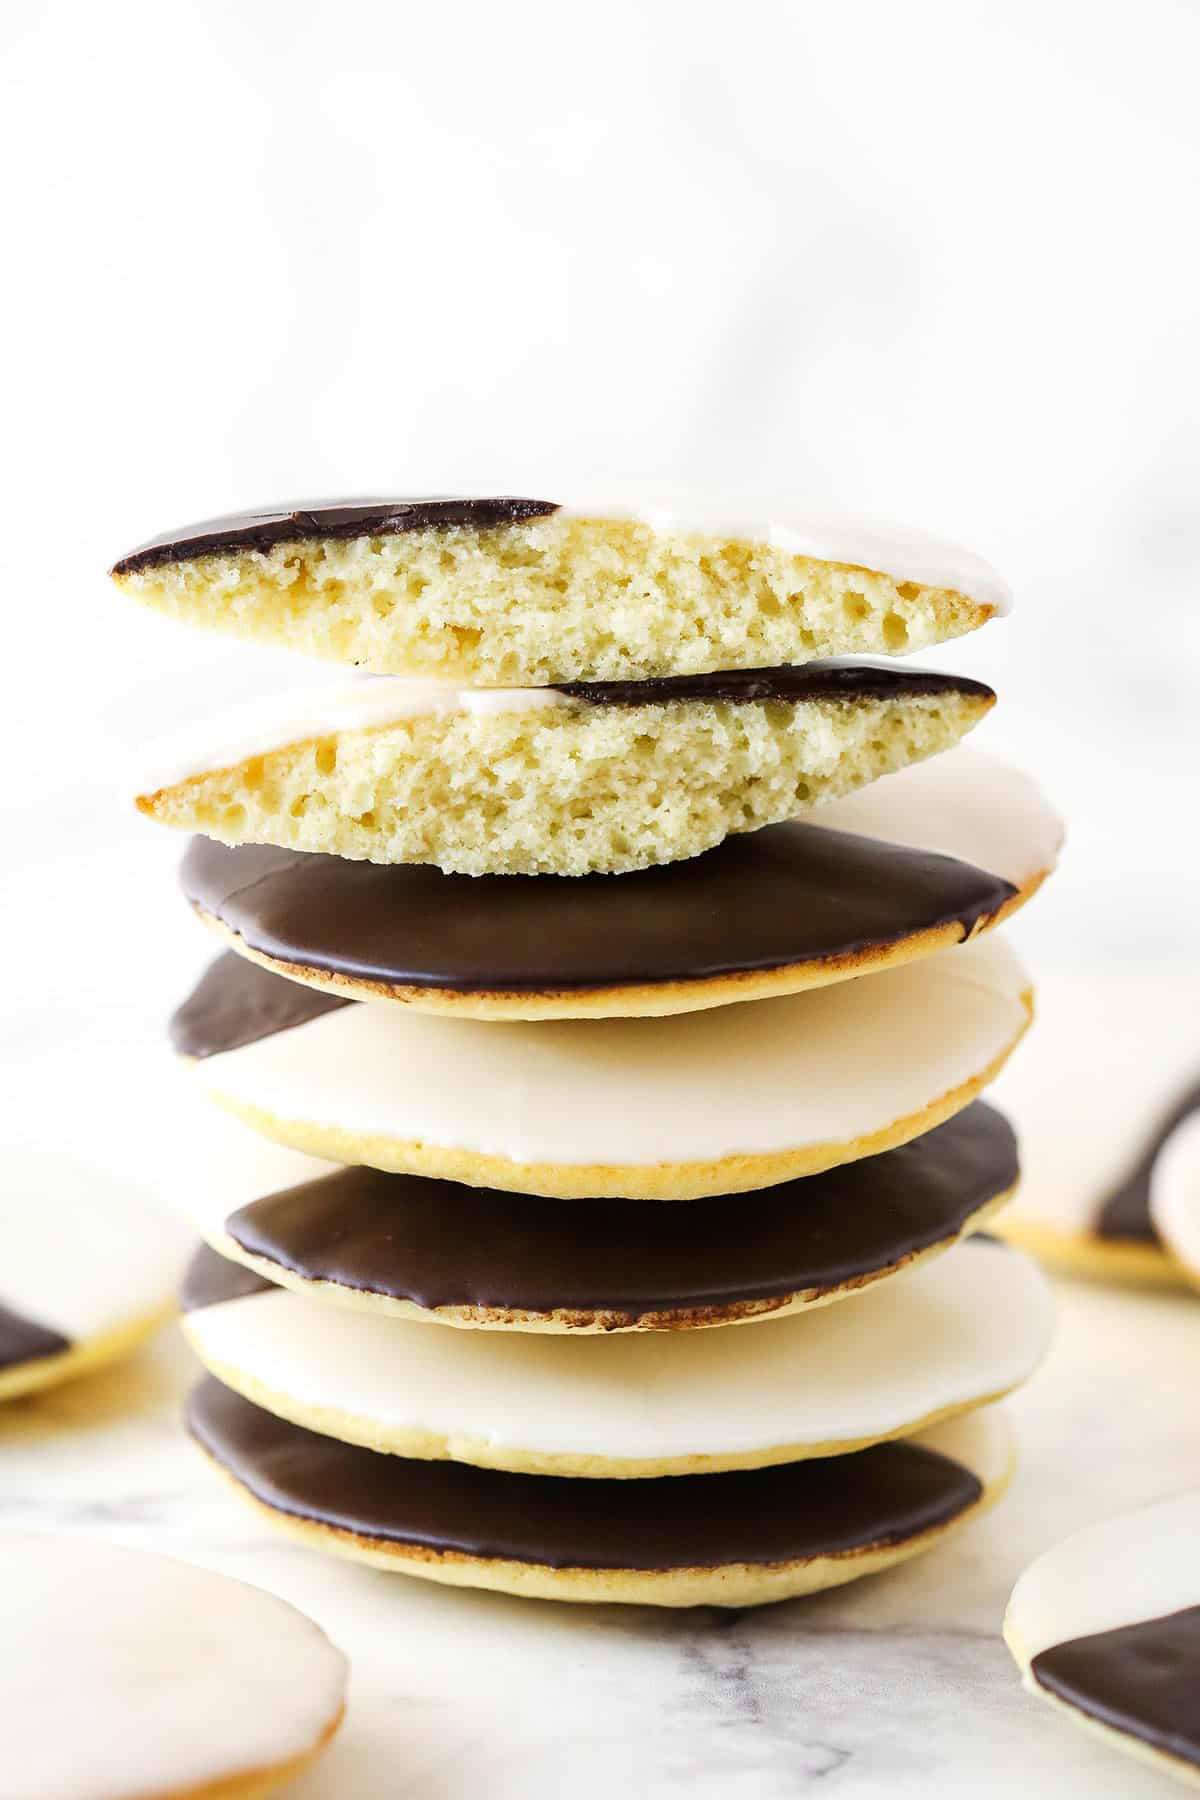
235 1003
1125 1213
209 1279
442 1244
834 680
824 1507
314 519
785 896
1142 1680
24 1340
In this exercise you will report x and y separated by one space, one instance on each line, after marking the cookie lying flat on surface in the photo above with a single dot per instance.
68 1302
1106 1626
515 591
702 1540
127 1676
550 781
1175 1190
438 1251
710 1102
939 1339
943 849
1111 1070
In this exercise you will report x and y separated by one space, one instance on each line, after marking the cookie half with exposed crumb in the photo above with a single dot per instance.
509 590
555 781
739 1539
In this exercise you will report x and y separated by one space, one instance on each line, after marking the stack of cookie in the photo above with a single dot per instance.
622 1009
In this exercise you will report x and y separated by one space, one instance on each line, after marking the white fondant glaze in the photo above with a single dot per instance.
85 1249
965 804
973 1323
1175 1193
1142 1565
126 1674
830 1065
900 551
358 704
1113 1048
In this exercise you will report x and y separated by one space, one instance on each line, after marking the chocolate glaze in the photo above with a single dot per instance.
23 1340
209 1279
791 1513
326 519
1126 1211
439 1243
1142 1680
848 681
786 895
235 1003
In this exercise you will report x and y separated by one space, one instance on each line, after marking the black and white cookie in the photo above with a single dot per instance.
936 1340
88 1271
127 1675
1106 1626
587 778
510 591
712 1102
736 1539
456 1255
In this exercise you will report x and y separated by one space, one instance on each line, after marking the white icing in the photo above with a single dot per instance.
1175 1192
972 1323
125 1674
900 551
85 1249
1112 1048
1142 1565
359 704
965 804
827 1066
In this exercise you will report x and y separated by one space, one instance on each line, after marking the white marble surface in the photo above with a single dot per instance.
895 1686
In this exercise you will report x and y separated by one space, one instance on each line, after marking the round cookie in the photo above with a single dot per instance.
939 851
508 591
128 1676
1112 1068
1175 1192
594 778
939 1339
88 1269
1106 1627
712 1102
455 1255
695 1540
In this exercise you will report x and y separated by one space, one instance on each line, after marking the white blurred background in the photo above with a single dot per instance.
935 260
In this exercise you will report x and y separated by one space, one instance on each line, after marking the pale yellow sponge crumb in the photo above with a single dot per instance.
566 790
559 598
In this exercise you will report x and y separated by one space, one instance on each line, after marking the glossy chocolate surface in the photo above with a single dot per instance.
1126 1211
441 1244
23 1340
235 1003
1142 1680
781 897
315 519
834 680
883 1495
